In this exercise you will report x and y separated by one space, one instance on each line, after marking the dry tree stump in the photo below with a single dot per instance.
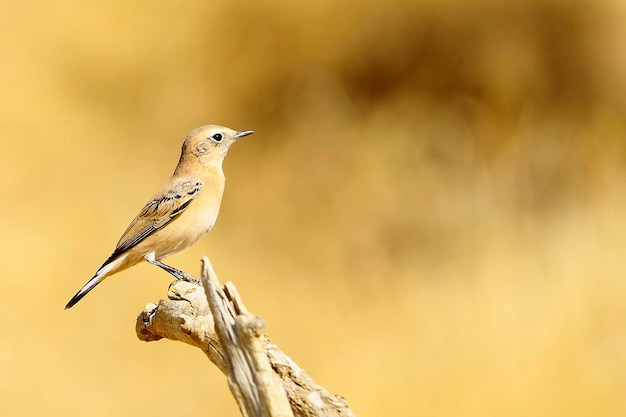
264 381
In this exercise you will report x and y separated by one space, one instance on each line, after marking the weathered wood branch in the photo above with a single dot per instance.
253 383
259 373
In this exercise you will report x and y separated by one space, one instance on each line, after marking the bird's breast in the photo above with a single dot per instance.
193 223
201 214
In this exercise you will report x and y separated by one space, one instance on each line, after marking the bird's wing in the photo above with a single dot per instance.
164 207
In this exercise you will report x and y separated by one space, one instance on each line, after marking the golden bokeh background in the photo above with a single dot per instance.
431 217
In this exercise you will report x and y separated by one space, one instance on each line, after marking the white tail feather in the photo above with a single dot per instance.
104 271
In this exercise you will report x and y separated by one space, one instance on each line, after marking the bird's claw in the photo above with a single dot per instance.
188 278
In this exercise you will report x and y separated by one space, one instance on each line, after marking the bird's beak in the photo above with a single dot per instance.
243 133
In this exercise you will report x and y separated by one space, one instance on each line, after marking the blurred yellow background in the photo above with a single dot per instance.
431 216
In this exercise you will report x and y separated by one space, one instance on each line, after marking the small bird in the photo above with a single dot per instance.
182 211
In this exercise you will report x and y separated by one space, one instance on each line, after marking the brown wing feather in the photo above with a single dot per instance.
164 207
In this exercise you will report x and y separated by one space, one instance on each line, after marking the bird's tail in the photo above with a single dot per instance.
109 268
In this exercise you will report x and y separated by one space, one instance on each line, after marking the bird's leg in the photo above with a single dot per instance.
176 273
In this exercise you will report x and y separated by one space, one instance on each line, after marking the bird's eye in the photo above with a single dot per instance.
217 137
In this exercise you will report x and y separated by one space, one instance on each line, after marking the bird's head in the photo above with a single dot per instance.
209 144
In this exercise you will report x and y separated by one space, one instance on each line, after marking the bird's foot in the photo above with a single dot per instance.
188 278
176 273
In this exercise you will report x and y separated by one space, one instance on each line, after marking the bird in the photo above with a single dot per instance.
182 211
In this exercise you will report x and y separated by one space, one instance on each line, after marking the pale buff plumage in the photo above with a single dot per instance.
180 213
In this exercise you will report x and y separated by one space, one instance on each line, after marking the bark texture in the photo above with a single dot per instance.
264 381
